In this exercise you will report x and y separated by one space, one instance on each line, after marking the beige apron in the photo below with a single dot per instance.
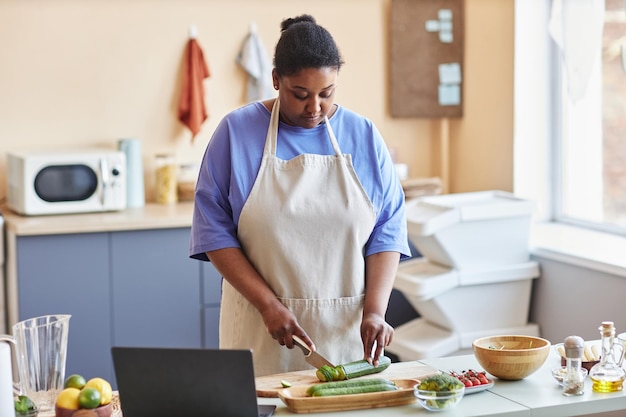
304 228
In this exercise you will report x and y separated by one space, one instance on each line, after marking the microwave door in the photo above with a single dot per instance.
104 174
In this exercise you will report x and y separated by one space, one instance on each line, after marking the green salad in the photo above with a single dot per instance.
441 385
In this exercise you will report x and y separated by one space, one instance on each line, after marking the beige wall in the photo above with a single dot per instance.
82 73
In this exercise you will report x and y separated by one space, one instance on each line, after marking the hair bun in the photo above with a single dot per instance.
305 18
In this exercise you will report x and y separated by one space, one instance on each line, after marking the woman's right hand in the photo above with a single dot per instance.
279 321
281 324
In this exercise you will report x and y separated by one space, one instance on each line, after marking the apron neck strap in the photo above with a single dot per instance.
272 132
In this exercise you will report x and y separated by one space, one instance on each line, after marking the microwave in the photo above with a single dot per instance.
60 181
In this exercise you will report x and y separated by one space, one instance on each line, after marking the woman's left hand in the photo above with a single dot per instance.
376 334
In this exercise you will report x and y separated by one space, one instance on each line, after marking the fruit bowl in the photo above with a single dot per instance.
511 357
439 400
102 411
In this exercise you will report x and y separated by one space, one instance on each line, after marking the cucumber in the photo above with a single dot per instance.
346 384
359 368
352 370
328 373
354 390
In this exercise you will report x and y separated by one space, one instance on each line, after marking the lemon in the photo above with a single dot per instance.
89 397
74 381
68 398
103 386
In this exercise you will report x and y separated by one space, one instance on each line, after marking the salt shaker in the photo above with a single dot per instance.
573 382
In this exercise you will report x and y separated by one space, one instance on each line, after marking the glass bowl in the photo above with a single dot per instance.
559 373
439 400
587 364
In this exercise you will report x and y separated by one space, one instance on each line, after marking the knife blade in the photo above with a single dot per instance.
311 356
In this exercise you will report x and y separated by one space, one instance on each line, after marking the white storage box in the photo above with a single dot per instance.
419 339
471 229
468 300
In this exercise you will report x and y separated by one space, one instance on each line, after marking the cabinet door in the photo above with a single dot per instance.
69 274
212 295
156 289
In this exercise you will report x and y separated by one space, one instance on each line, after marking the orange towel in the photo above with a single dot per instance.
191 107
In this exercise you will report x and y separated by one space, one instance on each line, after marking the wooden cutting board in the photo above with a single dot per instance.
269 385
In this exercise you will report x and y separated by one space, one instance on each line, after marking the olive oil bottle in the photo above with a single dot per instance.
608 375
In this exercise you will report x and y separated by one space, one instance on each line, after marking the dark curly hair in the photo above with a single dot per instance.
304 44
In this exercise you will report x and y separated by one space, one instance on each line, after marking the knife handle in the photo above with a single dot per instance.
300 343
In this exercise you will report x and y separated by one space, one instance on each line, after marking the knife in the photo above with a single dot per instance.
312 357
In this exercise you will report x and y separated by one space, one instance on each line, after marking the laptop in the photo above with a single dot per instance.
154 382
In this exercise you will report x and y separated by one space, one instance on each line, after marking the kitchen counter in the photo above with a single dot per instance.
537 395
475 405
98 267
151 216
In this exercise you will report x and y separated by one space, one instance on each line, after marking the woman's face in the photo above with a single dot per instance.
306 97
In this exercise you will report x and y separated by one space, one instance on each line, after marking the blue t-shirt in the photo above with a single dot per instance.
233 157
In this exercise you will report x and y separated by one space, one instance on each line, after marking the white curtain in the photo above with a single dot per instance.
576 26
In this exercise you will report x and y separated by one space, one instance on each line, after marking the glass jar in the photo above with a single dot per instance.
187 177
608 375
166 192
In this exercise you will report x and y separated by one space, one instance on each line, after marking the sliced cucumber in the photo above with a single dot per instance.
352 370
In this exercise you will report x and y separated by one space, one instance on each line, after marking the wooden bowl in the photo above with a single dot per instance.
511 357
102 411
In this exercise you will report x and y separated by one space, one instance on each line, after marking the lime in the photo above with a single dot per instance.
89 398
285 384
74 381
68 398
103 386
23 404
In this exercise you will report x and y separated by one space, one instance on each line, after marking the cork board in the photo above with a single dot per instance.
419 51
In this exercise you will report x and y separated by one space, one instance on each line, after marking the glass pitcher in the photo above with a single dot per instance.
40 346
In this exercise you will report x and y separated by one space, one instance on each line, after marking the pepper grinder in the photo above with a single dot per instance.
573 382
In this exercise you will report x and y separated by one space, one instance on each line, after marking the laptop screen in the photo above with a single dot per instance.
154 382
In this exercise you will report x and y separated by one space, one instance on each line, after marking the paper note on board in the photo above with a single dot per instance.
449 94
450 73
450 84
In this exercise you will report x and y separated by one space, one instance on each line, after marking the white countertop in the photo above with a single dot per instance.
475 405
537 395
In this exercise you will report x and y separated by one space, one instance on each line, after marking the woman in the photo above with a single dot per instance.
306 227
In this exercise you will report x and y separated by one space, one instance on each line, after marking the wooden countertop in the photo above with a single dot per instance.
151 216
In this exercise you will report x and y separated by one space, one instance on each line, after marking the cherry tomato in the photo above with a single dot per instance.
483 379
467 382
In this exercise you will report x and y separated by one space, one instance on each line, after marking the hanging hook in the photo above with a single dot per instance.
193 31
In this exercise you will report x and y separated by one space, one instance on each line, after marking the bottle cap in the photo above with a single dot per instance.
607 328
574 346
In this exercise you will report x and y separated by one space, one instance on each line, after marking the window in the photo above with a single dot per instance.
591 137
570 114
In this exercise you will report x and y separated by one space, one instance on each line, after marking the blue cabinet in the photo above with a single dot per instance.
155 289
69 274
211 284
126 288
